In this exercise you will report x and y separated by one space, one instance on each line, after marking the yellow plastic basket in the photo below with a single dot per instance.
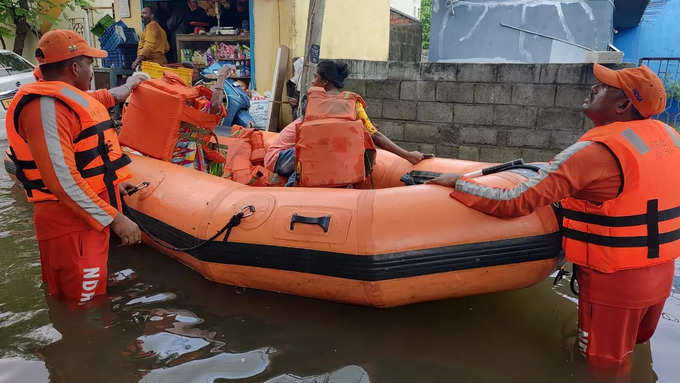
156 70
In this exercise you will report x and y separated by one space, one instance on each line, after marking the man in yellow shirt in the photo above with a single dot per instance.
153 43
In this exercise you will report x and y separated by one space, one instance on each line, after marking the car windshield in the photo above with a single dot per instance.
11 64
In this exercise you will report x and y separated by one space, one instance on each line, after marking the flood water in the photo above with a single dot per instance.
163 322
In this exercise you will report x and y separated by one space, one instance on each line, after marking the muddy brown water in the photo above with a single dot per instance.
163 322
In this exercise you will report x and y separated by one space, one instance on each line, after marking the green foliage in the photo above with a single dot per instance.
425 16
672 90
672 94
31 12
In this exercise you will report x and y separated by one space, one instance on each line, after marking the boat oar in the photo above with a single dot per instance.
418 177
495 169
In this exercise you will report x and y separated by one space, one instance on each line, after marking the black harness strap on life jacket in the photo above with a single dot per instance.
94 130
108 168
653 228
99 170
629 220
20 165
29 185
650 219
608 241
20 105
30 165
109 171
84 157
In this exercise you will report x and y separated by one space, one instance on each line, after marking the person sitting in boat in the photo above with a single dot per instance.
331 77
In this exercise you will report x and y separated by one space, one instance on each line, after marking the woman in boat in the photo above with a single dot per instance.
330 76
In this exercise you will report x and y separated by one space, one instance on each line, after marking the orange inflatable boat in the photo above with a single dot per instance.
384 246
388 246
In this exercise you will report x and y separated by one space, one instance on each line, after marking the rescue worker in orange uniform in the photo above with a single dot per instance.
620 211
67 156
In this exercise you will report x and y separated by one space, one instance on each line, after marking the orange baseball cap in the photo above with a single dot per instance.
641 85
61 44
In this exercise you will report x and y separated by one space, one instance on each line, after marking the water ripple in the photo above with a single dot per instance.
9 318
45 335
21 370
221 366
166 345
348 374
160 297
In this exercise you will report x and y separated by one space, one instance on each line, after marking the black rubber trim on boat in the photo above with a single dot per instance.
361 267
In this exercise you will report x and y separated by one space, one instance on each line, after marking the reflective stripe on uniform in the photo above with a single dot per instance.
500 194
69 93
636 141
61 170
673 134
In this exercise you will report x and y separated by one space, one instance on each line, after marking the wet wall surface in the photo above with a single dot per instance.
471 31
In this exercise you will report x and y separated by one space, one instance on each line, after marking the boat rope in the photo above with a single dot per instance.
573 284
235 220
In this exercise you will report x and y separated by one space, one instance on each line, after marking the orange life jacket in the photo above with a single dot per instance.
99 158
155 111
640 227
245 156
332 147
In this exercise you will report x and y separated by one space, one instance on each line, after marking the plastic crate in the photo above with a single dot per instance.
102 25
118 34
121 57
155 70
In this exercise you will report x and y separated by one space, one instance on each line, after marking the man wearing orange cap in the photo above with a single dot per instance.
68 159
619 209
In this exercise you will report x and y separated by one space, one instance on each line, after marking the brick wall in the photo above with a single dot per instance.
485 112
406 42
397 17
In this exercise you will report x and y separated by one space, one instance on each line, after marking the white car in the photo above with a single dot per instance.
15 71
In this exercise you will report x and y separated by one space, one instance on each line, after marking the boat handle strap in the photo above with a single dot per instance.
324 221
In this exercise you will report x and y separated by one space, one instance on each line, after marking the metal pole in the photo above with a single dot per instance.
312 46
547 36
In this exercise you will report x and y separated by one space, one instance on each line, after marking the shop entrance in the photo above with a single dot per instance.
208 34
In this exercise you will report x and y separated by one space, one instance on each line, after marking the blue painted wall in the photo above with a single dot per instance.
657 34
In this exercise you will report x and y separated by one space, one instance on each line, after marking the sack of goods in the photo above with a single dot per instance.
170 121
259 109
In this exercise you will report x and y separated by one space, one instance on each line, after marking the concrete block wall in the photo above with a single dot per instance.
406 42
483 112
